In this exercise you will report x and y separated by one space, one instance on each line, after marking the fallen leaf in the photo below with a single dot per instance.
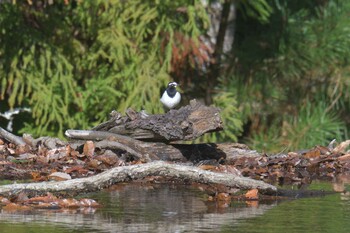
4 200
36 176
207 167
69 203
344 157
89 148
76 169
12 207
94 164
59 176
85 202
252 194
11 150
223 197
46 199
313 153
22 149
107 159
341 147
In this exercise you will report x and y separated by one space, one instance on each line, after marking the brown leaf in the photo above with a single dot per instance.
341 147
252 194
57 154
344 157
94 164
207 167
22 149
89 148
12 207
4 200
313 153
11 150
85 202
69 203
223 197
261 170
36 176
47 199
76 169
59 176
107 159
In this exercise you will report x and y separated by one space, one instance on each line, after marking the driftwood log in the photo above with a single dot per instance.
167 152
133 172
186 123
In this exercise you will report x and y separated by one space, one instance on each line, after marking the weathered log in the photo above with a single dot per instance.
186 123
167 152
133 172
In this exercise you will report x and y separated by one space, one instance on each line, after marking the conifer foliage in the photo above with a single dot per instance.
72 62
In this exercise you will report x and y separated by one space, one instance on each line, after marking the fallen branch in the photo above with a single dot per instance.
11 137
133 172
112 141
162 151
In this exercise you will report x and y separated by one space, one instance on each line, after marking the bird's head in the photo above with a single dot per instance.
172 84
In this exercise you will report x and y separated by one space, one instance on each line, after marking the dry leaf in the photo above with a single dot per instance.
252 194
12 207
207 167
313 153
341 147
85 202
69 203
89 148
223 197
344 157
59 176
4 200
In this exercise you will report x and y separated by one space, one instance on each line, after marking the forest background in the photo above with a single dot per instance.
278 69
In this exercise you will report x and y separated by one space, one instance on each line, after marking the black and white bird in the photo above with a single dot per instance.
171 97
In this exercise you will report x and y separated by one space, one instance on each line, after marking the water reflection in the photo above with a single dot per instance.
135 208
173 208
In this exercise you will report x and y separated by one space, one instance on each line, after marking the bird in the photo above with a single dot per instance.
171 97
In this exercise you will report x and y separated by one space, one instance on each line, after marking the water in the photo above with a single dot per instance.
173 208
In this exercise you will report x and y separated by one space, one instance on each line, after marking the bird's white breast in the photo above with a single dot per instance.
169 102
